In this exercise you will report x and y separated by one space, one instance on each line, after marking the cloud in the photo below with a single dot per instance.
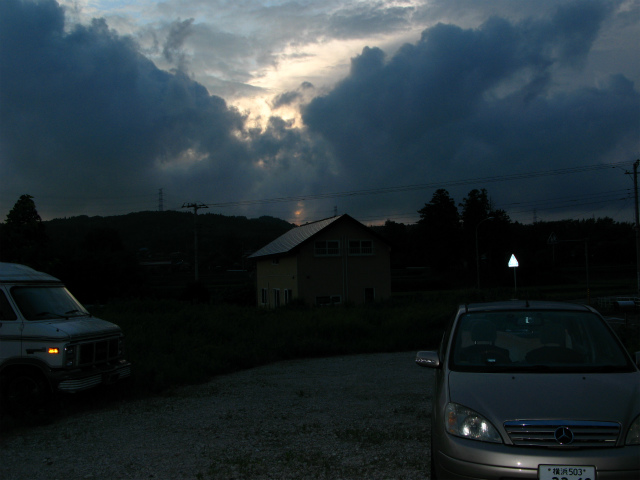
477 101
82 104
369 18
112 117
290 98
178 32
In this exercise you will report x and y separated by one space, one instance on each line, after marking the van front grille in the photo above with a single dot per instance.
101 351
563 434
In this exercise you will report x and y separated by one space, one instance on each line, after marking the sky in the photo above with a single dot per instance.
301 109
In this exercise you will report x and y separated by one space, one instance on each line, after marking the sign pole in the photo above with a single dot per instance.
513 263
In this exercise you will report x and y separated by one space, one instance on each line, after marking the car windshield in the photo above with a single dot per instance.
536 341
44 303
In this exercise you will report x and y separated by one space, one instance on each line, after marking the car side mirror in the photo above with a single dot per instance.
428 359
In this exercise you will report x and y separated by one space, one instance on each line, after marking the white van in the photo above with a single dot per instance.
49 342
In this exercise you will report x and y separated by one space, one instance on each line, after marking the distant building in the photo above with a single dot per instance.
328 262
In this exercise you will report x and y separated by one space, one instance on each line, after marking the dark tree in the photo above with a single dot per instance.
475 208
397 235
487 234
24 213
23 238
440 231
101 268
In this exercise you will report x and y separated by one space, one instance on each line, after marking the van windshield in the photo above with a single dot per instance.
45 303
536 341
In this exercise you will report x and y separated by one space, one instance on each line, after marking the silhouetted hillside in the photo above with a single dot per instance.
222 240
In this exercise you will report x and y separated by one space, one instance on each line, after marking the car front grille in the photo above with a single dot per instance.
101 351
563 434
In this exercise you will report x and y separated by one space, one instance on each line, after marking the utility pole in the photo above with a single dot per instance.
160 201
635 189
478 252
195 207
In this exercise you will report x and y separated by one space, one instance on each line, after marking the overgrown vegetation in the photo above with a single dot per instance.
172 343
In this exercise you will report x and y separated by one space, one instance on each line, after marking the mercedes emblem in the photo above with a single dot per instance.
563 435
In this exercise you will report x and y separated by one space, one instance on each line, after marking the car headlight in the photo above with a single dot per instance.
466 423
70 355
633 436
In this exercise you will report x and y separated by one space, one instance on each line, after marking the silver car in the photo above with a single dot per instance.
533 390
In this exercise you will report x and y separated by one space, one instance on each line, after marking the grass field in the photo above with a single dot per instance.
172 343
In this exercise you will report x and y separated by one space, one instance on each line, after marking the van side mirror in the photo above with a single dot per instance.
428 359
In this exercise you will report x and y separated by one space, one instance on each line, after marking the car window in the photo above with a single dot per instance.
6 312
535 341
42 303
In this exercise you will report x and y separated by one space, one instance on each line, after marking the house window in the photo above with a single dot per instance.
360 247
275 261
328 300
276 297
369 295
327 248
264 297
288 295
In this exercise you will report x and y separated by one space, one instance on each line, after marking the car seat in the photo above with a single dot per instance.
484 351
554 349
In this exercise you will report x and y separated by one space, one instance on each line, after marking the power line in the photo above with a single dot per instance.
567 201
422 186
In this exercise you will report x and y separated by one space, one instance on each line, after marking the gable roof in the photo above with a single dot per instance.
297 236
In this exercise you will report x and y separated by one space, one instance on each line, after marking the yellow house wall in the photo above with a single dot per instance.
345 275
280 275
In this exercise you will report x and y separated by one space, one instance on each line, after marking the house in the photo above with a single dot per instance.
331 261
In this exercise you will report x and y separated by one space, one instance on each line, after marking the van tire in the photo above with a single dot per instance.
26 394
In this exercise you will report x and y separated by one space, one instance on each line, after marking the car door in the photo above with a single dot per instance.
10 330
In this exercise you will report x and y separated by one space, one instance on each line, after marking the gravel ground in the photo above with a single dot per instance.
352 417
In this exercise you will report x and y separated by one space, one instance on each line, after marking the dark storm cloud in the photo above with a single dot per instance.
368 18
178 32
290 98
100 119
84 114
88 96
470 102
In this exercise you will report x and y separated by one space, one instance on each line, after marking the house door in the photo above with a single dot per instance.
369 295
276 297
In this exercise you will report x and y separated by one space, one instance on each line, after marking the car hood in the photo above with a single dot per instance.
83 328
530 396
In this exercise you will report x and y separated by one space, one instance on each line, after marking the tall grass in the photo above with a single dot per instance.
173 343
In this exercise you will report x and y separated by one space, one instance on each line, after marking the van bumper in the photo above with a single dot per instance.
76 381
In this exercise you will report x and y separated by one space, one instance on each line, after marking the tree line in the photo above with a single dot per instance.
472 242
451 246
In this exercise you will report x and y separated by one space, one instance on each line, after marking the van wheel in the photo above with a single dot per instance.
26 395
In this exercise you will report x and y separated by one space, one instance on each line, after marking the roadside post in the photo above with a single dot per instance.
513 263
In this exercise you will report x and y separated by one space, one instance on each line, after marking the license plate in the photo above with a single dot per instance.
566 472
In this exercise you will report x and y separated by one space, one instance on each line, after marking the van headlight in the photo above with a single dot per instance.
633 436
70 355
466 423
